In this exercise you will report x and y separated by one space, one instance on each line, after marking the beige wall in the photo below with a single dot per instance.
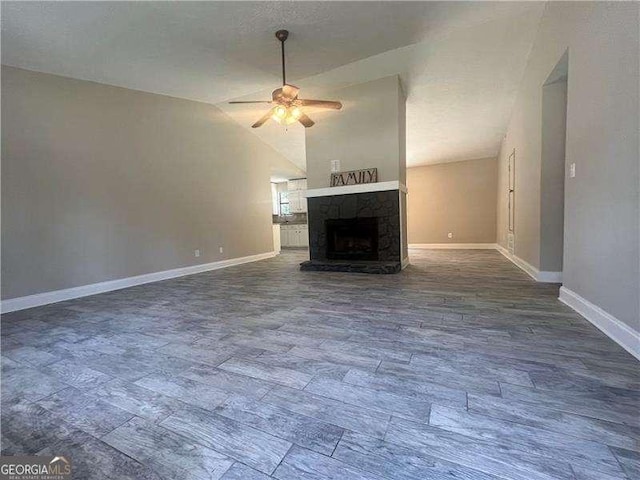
553 135
368 132
100 183
601 259
458 197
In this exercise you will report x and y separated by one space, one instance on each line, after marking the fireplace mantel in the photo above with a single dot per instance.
360 188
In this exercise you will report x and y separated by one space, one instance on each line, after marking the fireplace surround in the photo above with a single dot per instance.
356 232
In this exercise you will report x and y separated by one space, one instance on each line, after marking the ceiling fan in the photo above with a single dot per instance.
287 107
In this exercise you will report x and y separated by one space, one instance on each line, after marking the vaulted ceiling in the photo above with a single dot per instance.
460 62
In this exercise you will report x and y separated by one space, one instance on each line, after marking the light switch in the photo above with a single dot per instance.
572 170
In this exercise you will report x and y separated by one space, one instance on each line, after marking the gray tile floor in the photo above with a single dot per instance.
459 367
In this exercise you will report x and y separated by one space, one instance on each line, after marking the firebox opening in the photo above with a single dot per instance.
352 238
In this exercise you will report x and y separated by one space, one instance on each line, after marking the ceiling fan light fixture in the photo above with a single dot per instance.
286 115
287 109
279 114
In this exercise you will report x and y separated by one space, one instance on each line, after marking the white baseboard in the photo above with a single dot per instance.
453 246
39 299
618 331
533 272
549 277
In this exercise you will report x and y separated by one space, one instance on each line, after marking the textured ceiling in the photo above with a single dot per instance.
460 62
208 51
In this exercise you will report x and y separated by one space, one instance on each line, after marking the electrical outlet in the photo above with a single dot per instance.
196 253
335 166
221 250
572 170
450 235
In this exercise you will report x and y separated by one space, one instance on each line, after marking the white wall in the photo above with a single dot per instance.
102 183
601 223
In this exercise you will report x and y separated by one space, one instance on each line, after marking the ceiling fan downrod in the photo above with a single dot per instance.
282 35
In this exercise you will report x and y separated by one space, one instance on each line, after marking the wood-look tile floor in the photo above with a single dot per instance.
459 367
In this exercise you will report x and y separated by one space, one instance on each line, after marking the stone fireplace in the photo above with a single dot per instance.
355 232
359 224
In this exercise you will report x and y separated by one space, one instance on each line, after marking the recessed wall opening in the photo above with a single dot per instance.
552 178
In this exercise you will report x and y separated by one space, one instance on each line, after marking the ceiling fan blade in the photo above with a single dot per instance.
320 104
306 121
263 119
253 101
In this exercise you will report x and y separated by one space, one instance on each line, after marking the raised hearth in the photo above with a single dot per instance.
353 266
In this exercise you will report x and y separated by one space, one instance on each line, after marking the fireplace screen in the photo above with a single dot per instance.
352 238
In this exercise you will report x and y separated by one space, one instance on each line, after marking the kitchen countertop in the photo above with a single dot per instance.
289 223
293 219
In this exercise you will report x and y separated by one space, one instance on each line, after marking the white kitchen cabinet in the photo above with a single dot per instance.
294 235
302 236
284 236
296 191
297 201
